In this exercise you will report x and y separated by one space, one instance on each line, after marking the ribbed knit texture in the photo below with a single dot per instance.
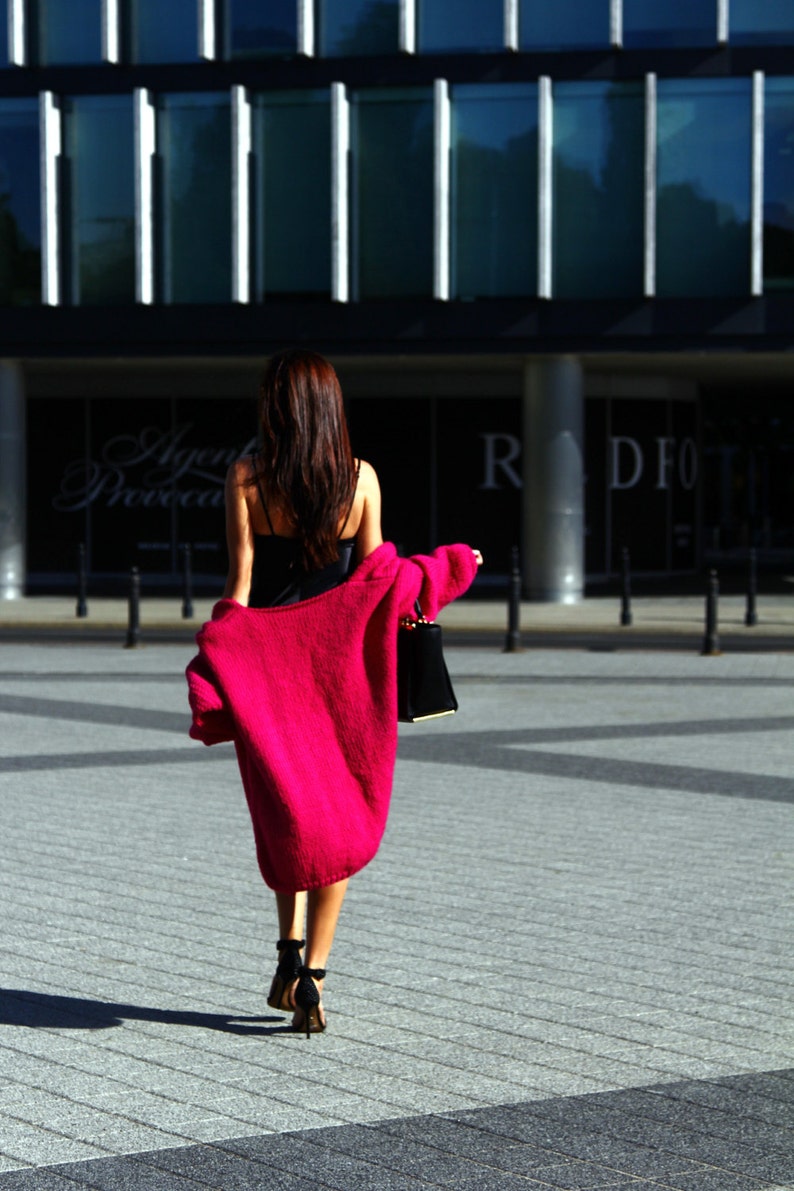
308 694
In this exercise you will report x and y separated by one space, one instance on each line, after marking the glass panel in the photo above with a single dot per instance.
160 32
357 27
392 143
494 190
194 148
99 199
779 184
66 32
755 22
292 205
563 24
3 33
703 177
253 29
669 22
455 25
20 231
599 185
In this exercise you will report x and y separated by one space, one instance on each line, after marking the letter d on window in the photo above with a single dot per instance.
631 451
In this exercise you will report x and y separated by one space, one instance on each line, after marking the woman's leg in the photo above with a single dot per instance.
324 906
291 909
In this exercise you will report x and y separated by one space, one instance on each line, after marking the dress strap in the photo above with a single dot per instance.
352 502
262 495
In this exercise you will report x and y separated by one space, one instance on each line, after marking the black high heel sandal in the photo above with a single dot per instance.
287 972
307 999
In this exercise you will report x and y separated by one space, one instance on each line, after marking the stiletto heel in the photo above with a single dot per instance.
307 999
287 972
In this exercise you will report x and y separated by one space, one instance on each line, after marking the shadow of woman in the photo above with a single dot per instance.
21 1007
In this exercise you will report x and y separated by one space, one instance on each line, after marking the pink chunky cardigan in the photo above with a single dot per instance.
308 694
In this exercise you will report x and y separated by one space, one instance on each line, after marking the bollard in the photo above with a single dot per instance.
711 641
134 619
82 583
750 616
513 640
187 601
625 599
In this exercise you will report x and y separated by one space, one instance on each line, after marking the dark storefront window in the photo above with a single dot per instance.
392 198
598 186
346 27
703 173
194 147
20 226
100 202
779 184
494 190
762 22
251 29
4 57
563 25
65 32
160 32
292 207
455 26
669 23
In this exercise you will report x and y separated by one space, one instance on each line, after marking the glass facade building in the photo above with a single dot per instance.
491 182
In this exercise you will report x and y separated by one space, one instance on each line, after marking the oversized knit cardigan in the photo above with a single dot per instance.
308 694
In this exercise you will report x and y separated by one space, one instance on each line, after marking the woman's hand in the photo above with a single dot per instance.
478 557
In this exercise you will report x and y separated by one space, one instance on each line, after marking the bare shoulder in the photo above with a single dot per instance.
238 474
367 478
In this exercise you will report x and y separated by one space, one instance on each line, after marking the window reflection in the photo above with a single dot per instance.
252 29
20 232
494 190
194 149
66 32
779 184
392 194
4 59
99 199
292 207
598 187
669 22
703 176
158 32
457 25
756 22
357 27
563 24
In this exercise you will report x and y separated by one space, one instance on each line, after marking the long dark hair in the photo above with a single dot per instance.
307 465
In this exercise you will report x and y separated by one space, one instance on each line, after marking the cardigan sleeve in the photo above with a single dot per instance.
437 579
212 723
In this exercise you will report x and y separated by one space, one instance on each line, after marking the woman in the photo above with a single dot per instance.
298 664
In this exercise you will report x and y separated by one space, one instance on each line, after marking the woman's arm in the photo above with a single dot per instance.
369 534
239 535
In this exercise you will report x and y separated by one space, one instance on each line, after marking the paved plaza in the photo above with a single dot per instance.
570 965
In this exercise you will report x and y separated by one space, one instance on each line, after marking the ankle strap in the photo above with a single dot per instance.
290 944
315 973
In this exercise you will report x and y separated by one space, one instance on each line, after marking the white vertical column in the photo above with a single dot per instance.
50 134
545 196
241 192
17 33
340 196
306 33
207 31
110 31
511 24
723 22
144 195
651 124
616 23
13 500
757 194
408 26
441 189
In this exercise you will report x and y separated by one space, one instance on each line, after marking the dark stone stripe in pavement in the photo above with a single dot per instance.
115 758
114 714
693 1136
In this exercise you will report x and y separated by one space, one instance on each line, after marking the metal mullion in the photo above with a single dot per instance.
757 184
511 38
408 26
441 189
241 195
306 32
51 149
616 23
110 31
651 124
340 196
723 22
17 33
545 195
144 196
207 30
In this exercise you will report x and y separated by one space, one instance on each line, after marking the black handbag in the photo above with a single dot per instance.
424 691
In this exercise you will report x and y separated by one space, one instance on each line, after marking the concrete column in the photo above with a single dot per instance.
553 491
12 481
